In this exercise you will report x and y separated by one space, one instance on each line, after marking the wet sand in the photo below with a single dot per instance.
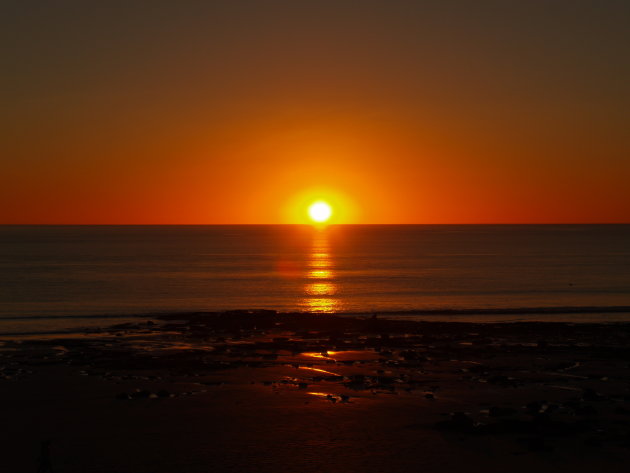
263 392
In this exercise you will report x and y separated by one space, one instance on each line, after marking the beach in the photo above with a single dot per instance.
262 391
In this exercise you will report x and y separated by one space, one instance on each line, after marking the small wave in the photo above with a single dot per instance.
80 316
564 310
508 310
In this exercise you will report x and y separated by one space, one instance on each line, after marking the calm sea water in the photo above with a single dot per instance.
51 277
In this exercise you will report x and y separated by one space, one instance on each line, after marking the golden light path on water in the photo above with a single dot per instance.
321 288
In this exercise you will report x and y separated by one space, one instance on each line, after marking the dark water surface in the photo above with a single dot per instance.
50 275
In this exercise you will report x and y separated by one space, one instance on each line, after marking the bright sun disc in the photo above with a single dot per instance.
320 211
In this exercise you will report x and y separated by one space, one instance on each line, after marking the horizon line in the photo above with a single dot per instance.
290 224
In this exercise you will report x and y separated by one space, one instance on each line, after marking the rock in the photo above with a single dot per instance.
537 444
591 395
586 410
332 378
495 411
535 407
140 394
593 442
501 381
410 355
459 422
543 424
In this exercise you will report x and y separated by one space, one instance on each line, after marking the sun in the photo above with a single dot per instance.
320 211
320 207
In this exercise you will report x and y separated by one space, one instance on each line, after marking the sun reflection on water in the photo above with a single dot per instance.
320 290
320 274
319 260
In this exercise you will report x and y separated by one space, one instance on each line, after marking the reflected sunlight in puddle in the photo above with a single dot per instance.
319 370
330 396
324 355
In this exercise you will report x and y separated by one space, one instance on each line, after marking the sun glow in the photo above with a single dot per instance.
339 207
320 211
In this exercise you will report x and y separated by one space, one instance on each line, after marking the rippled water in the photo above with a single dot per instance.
70 271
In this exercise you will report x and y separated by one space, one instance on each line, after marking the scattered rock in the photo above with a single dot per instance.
586 410
459 422
538 444
496 411
590 395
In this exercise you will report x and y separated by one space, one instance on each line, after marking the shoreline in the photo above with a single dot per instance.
418 311
554 314
245 392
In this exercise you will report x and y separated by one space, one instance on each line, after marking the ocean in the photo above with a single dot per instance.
57 278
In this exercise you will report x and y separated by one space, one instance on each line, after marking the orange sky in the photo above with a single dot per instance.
239 112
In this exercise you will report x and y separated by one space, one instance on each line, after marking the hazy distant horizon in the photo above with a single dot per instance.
295 224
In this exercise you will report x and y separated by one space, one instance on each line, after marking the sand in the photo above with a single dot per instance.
262 392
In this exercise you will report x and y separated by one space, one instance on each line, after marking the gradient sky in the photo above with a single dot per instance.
242 111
